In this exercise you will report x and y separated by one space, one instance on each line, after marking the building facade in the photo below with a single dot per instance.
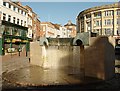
48 30
71 28
29 21
13 27
103 20
33 24
51 30
38 28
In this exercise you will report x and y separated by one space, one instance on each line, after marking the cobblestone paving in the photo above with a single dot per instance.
13 64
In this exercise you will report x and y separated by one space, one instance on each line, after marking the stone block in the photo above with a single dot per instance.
99 58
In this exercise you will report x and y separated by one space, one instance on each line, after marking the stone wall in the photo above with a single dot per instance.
99 58
96 60
54 56
35 54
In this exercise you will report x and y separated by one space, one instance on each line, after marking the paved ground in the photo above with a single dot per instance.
34 77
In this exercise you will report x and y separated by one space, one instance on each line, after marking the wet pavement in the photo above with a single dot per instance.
33 77
37 76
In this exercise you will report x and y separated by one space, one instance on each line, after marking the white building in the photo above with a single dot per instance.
13 13
13 27
29 21
64 32
54 30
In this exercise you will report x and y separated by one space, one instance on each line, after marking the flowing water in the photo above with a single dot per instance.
62 56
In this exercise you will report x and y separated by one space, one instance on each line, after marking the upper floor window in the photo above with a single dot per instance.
109 13
118 12
4 16
97 14
21 22
9 18
88 16
18 10
18 21
4 3
14 20
14 8
98 23
118 21
21 12
109 22
24 23
118 31
108 31
9 5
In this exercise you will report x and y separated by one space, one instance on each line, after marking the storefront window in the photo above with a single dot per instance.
7 31
23 33
15 32
19 32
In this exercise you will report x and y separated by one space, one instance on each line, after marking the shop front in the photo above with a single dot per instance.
14 39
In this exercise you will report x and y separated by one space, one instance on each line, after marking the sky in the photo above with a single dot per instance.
61 12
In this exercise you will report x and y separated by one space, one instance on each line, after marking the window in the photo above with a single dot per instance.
9 5
105 22
109 31
14 20
109 22
118 31
9 18
4 16
18 21
109 13
97 14
24 23
21 22
15 32
97 23
18 10
14 8
4 3
21 12
118 12
118 21
19 32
